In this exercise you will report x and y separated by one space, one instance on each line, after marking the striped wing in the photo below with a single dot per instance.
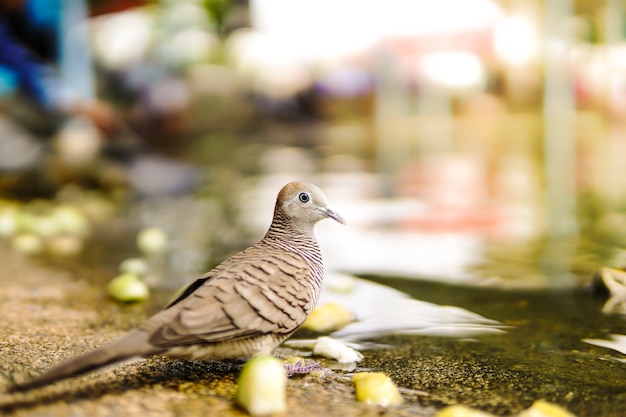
255 292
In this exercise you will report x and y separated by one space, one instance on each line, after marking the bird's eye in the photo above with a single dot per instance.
304 197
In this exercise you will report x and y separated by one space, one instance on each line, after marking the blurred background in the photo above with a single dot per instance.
476 149
470 141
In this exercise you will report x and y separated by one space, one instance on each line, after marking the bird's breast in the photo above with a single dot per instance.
233 349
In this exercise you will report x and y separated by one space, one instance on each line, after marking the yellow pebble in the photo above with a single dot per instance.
376 388
328 317
543 408
461 411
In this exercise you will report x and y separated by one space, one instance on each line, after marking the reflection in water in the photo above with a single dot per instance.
617 342
615 282
381 310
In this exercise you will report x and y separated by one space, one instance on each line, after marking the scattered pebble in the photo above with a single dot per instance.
262 386
335 349
540 408
137 266
152 241
543 408
27 243
376 388
70 220
59 228
328 317
128 287
8 221
462 411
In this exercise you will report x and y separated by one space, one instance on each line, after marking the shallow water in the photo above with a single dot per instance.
541 356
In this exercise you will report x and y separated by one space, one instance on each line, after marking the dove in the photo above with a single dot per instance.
246 306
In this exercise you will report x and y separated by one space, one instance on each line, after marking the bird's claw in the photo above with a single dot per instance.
300 368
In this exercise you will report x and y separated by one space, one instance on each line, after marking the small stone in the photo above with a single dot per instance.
543 408
376 388
137 266
8 221
328 317
462 411
262 386
334 349
27 243
128 287
152 241
70 220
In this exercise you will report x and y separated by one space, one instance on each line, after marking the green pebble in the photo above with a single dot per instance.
128 287
262 386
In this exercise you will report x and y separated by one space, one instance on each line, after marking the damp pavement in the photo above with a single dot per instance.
50 314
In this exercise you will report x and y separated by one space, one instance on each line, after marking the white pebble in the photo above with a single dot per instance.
137 266
152 241
334 349
8 222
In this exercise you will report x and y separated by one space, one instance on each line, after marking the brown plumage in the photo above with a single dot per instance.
245 306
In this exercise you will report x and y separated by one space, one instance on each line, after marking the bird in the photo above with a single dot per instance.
244 307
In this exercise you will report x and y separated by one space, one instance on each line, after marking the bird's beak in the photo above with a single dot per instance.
332 214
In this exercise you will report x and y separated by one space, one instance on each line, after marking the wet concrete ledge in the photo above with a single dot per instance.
51 315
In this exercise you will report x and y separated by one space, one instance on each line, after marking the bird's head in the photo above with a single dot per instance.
304 204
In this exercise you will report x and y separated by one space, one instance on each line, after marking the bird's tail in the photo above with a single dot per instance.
133 344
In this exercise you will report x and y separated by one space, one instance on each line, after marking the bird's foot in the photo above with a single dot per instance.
300 368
